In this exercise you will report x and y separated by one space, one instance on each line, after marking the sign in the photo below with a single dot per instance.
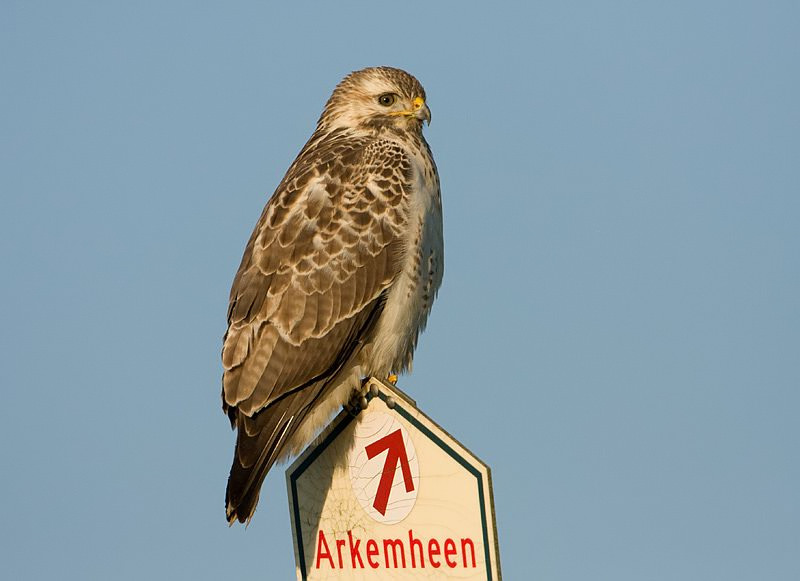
389 494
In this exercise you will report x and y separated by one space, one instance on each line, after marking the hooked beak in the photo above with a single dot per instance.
421 110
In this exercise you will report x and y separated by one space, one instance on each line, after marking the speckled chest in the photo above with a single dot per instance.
411 296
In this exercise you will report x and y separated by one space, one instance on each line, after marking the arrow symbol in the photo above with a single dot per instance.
396 452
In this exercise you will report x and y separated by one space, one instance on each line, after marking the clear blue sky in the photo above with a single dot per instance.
618 334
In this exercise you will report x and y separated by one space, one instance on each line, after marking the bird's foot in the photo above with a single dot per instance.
392 378
358 399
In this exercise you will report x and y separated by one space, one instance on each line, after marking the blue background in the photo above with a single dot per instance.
618 333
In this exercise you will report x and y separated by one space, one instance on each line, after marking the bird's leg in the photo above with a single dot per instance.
358 399
356 403
392 378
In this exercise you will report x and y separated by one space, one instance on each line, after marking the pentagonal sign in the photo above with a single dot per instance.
389 494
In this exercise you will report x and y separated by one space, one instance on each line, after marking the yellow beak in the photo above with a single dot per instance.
421 110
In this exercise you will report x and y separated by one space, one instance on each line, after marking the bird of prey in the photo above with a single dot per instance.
338 277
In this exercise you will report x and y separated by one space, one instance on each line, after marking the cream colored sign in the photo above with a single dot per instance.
390 495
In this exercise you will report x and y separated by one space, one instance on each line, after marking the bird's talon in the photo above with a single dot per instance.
392 379
353 405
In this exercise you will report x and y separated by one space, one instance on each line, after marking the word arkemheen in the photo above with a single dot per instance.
433 553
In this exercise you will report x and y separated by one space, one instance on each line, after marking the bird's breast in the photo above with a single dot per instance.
411 296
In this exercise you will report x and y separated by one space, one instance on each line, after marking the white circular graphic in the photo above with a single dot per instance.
384 469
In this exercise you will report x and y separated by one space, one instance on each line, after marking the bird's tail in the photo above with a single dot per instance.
261 440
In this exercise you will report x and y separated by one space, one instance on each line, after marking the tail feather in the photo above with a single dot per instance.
262 440
265 437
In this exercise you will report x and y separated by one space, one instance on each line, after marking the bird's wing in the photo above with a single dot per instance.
325 250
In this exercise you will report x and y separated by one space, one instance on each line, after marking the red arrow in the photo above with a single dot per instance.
396 453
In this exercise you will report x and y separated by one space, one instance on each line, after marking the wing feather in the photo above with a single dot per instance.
321 254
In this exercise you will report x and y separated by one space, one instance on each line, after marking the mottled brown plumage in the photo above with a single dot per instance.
337 278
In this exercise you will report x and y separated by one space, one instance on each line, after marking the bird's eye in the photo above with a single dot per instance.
387 99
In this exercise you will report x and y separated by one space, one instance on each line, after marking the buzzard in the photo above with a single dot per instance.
338 276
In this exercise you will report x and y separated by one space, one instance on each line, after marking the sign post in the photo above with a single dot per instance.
389 494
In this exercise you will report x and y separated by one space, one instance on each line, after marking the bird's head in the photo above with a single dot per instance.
377 97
